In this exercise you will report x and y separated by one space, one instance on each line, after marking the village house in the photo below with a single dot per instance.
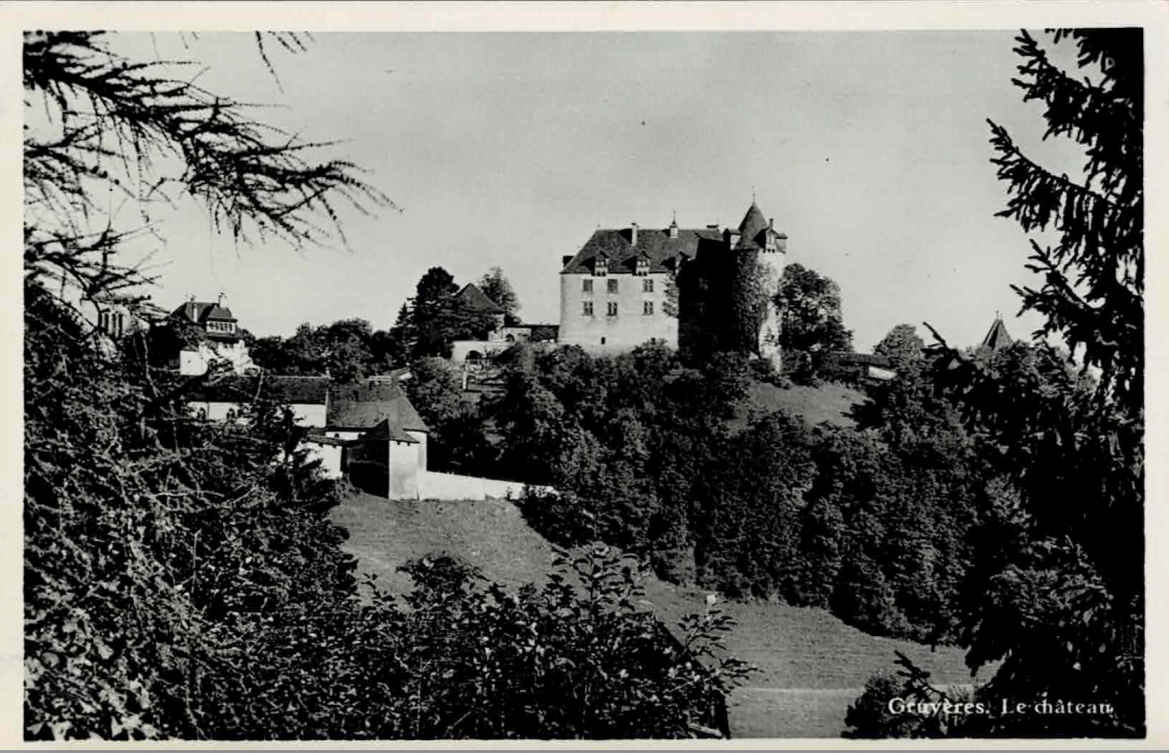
218 338
383 435
627 286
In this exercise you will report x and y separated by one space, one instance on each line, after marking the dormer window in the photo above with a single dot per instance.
642 268
600 266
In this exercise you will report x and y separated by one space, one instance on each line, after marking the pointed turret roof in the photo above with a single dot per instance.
752 228
997 336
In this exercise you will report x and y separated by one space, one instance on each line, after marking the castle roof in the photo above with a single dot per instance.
365 406
616 244
997 336
475 299
201 312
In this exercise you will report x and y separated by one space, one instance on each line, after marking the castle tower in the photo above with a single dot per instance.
757 242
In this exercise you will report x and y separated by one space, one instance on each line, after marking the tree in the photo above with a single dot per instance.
438 318
111 120
1059 592
457 432
498 288
902 346
810 320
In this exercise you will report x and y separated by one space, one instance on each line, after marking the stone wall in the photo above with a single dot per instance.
452 486
631 327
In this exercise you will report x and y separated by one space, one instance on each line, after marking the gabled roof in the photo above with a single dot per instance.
475 299
997 336
292 390
662 251
364 406
202 311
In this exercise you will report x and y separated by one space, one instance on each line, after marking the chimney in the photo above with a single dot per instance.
771 224
633 235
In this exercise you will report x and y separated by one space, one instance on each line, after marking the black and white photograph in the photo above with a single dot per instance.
560 377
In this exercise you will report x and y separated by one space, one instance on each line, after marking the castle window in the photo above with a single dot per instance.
587 308
647 308
642 266
586 286
600 266
647 285
612 308
612 286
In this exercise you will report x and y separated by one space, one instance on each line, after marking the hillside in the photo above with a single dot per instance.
811 664
829 402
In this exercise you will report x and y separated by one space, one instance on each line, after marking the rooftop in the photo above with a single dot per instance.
365 406
662 251
300 390
200 312
475 299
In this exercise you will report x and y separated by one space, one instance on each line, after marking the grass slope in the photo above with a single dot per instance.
811 664
829 402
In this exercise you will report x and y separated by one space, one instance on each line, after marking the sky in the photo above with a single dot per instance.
869 149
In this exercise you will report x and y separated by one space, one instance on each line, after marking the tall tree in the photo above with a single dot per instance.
809 305
438 318
1076 458
498 288
902 346
1058 596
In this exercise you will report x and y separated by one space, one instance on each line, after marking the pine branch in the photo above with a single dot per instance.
1109 126
253 184
1091 224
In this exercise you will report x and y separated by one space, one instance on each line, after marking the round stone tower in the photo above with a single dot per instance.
759 254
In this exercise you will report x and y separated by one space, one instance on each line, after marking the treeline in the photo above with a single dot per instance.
872 524
427 323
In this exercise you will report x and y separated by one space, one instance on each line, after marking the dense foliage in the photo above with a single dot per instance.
1057 595
434 317
346 350
497 287
871 525
811 323
182 578
902 346
458 440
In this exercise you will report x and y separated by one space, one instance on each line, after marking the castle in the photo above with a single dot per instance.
689 288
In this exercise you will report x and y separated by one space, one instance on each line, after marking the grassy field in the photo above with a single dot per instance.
811 665
828 402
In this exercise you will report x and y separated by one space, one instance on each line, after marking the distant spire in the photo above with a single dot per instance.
997 337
